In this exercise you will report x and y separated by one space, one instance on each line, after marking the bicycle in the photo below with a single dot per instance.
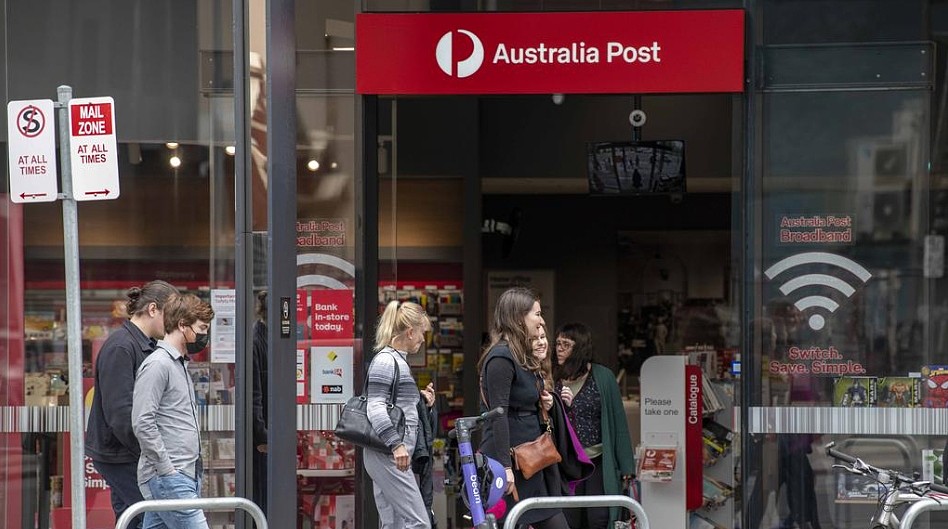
481 474
898 490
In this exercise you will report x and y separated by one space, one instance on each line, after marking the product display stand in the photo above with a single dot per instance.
721 471
671 418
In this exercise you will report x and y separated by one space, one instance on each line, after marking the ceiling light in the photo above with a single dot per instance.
333 165
230 150
175 162
312 165
172 145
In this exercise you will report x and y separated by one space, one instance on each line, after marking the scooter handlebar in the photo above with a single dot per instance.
492 414
470 423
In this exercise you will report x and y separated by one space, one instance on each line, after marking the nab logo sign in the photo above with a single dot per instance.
445 55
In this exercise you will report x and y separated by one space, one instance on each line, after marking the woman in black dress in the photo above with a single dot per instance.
511 378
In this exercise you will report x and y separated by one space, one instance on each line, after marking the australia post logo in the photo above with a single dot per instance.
452 62
444 53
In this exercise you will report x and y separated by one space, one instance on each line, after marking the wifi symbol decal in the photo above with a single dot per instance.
817 321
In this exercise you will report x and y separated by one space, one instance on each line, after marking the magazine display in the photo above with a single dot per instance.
715 493
657 463
717 441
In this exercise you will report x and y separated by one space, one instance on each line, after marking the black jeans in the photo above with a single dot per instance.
123 480
589 517
796 473
260 479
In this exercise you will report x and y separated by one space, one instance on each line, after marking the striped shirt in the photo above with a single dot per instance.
380 375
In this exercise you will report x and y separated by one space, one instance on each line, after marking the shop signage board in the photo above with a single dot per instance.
223 327
92 148
332 314
690 51
332 368
32 151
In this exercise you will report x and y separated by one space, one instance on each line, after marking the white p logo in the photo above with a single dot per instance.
467 67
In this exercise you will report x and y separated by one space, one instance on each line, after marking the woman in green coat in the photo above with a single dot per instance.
597 415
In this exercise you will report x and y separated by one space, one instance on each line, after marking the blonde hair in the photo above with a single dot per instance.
398 317
546 365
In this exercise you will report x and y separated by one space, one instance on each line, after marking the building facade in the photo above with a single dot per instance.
801 263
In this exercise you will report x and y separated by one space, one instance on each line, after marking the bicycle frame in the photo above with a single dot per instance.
905 489
886 516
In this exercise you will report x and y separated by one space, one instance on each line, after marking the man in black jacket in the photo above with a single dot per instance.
110 441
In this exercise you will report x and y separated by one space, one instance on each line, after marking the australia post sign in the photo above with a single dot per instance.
543 53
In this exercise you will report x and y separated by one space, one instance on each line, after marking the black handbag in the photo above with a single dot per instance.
354 425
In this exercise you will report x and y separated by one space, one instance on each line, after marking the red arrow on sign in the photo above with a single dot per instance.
103 192
25 196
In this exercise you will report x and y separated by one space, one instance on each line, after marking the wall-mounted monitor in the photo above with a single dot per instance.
636 167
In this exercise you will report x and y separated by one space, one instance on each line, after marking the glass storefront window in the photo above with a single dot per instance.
846 345
843 261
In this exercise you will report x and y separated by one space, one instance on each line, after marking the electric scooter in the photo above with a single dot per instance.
482 475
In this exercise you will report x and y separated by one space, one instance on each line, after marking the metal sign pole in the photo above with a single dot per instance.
77 412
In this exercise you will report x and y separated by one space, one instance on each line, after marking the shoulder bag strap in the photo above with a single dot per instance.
544 416
394 388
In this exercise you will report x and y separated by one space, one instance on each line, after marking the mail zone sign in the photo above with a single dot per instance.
93 149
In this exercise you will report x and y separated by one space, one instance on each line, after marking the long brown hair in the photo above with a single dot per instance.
546 365
507 324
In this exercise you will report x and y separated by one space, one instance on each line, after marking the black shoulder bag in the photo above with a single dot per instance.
354 425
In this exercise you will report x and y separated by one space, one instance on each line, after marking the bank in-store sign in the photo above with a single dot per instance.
93 149
32 151
542 53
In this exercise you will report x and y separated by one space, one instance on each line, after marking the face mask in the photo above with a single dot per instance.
199 343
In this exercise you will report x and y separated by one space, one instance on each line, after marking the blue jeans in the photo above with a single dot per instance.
175 486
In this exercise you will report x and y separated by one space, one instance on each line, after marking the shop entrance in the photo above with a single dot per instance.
604 185
477 194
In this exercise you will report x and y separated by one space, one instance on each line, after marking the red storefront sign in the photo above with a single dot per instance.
545 53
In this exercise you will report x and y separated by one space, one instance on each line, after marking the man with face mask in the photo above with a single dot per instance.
164 415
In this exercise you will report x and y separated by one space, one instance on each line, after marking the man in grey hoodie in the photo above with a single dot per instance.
164 415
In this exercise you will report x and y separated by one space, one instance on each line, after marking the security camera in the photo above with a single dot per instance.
637 118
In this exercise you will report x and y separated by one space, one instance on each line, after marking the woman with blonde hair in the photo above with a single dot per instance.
541 350
511 377
401 331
